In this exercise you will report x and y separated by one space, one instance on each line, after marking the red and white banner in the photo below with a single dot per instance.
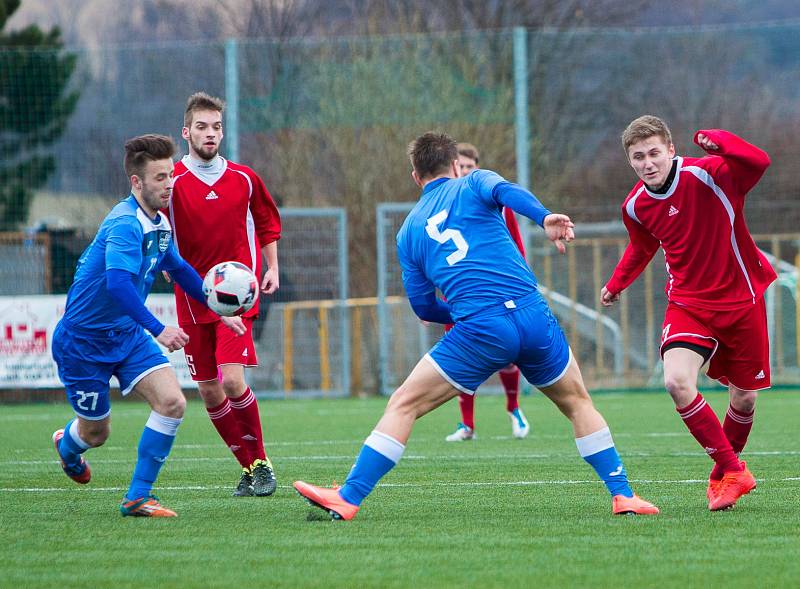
26 333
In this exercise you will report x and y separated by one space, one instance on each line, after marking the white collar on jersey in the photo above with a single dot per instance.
208 172
672 188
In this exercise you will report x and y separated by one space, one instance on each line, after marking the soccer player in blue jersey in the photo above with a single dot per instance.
455 240
103 331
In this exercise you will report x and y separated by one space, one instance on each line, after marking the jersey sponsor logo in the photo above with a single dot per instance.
673 211
760 375
212 196
163 240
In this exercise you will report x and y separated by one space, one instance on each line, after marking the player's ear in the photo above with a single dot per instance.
136 182
185 133
455 168
415 177
671 150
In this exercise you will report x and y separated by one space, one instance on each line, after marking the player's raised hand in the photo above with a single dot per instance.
606 298
559 229
173 338
235 324
271 282
706 143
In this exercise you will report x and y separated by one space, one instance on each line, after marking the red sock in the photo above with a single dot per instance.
467 405
228 428
737 426
509 376
245 408
704 425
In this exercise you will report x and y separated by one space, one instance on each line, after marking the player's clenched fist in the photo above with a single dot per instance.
173 338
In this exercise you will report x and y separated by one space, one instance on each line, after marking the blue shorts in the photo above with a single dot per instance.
87 361
523 332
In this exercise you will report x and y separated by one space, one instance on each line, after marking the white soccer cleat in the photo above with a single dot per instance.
519 425
462 434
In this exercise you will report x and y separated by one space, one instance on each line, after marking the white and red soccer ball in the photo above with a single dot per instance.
231 289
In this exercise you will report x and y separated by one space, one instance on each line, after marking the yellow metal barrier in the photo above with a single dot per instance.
322 307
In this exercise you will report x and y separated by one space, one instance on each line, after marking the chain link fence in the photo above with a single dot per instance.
325 122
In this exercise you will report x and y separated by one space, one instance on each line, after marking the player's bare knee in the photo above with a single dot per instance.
681 386
744 401
173 405
96 436
404 401
233 387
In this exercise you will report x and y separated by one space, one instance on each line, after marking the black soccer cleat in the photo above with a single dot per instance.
264 482
245 486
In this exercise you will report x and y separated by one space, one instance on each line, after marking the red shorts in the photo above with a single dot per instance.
212 344
738 340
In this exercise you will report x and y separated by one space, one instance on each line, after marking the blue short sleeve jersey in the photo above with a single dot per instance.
127 240
455 239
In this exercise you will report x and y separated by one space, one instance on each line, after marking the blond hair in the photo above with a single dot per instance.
643 128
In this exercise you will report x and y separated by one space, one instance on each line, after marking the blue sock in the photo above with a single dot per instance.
154 447
71 445
598 450
378 456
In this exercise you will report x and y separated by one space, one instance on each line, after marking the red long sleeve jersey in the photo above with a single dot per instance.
230 219
712 261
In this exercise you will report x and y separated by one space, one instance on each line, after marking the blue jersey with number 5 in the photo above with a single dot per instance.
127 240
455 239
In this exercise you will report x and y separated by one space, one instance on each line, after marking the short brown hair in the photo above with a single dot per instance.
469 150
643 128
432 153
201 101
146 148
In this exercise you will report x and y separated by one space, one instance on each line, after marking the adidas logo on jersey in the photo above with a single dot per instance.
672 210
212 196
760 375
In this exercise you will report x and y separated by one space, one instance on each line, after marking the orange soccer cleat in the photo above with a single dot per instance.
145 507
327 499
713 489
732 486
633 506
81 474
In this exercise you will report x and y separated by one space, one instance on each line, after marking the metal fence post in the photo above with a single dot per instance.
232 99
344 309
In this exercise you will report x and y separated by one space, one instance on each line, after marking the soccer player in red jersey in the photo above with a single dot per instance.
468 159
693 208
221 211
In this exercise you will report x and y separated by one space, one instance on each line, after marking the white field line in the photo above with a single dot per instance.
470 457
72 489
466 457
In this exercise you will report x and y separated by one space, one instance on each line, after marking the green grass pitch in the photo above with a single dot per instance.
494 512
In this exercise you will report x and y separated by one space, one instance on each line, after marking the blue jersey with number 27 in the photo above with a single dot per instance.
127 240
455 239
